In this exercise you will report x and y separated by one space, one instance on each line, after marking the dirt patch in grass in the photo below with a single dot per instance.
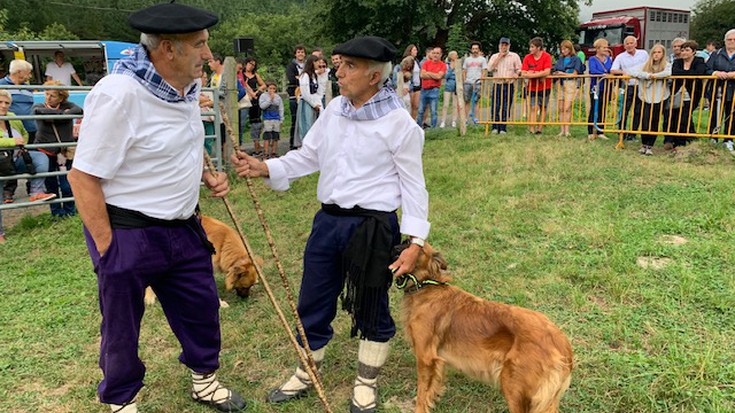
403 405
655 263
703 153
674 240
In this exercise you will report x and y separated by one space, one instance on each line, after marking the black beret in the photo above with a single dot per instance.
368 47
171 18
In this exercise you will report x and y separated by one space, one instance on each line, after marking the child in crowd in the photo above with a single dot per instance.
272 106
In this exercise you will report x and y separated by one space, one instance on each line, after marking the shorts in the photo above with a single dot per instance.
567 90
539 98
470 89
271 126
255 130
416 89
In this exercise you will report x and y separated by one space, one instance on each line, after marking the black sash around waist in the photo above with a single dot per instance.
356 211
122 218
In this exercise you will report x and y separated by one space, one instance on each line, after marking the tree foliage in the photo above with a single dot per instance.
711 20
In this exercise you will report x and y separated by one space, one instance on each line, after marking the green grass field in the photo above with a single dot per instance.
631 256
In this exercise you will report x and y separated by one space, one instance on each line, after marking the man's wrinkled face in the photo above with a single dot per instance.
676 48
504 47
436 54
630 44
353 77
190 56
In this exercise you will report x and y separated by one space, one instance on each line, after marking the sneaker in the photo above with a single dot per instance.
41 197
603 137
649 151
730 147
442 125
8 199
642 150
591 137
494 132
454 124
475 121
502 132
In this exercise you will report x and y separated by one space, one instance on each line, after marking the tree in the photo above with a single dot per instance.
428 22
711 20
457 39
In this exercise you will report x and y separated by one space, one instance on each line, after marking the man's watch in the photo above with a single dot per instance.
417 241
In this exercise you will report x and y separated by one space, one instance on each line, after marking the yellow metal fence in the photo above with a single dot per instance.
681 107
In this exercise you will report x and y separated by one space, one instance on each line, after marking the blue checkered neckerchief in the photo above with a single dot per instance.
139 67
382 103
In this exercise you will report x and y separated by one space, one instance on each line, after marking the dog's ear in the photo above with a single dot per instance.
438 258
230 278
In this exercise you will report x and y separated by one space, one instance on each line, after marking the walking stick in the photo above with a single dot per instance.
307 360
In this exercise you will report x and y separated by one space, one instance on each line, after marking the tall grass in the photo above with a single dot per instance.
631 256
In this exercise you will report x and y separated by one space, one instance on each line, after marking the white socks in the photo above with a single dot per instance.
300 379
206 387
125 408
371 357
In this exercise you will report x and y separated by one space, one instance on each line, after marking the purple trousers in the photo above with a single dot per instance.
176 264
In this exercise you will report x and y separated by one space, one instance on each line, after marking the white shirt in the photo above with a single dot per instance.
147 152
313 99
474 67
62 74
375 164
625 61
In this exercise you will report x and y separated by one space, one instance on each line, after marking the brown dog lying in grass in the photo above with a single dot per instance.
515 348
230 258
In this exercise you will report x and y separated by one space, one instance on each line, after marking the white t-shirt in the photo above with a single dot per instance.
147 152
474 67
375 164
62 74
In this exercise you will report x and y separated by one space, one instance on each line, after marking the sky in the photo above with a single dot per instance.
585 12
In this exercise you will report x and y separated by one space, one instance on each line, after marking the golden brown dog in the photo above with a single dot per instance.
230 258
518 349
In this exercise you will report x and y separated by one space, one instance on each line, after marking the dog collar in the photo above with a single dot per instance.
402 283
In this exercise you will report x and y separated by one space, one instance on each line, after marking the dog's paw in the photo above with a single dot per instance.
223 304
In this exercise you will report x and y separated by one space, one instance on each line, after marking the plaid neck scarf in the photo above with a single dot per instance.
139 67
382 103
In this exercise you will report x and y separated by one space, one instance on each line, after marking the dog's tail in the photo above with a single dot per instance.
548 396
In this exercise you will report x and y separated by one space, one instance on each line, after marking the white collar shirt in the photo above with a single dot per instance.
625 62
147 152
374 164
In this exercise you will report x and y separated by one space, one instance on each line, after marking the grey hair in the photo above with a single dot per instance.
678 39
19 65
384 68
152 41
6 93
729 32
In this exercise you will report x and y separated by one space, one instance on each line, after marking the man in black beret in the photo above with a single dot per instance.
368 151
137 174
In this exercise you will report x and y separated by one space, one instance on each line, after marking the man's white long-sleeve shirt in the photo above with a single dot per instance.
374 164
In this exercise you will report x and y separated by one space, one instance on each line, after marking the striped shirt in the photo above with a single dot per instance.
509 66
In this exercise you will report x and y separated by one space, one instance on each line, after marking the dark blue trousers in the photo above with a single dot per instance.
502 103
323 280
175 263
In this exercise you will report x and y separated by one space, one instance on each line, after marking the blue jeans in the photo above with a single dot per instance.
430 97
502 102
40 162
54 184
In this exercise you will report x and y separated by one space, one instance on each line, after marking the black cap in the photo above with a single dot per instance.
368 47
170 18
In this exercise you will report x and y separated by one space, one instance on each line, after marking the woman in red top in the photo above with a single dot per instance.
537 66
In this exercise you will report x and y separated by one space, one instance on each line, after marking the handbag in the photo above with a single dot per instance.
65 153
7 164
245 102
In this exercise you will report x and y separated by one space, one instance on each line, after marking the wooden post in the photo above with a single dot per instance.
229 76
459 95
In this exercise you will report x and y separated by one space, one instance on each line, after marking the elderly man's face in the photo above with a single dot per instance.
630 44
676 47
23 76
436 54
354 81
189 62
